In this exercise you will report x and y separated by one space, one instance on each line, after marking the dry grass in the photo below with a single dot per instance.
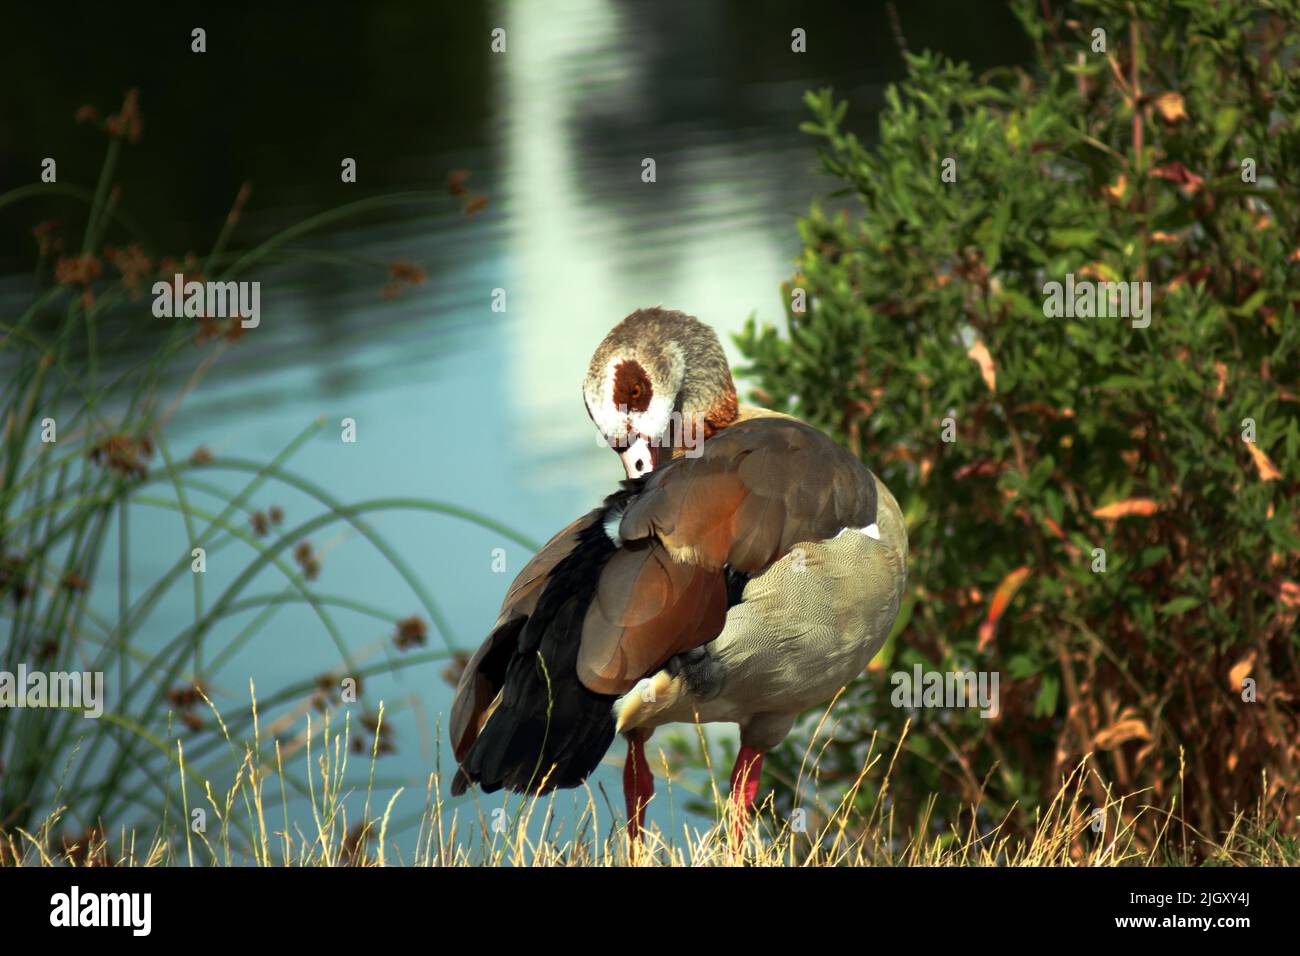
249 829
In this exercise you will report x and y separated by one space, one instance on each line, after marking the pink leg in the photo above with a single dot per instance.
744 786
638 785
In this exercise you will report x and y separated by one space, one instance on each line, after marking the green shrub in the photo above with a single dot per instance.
1081 433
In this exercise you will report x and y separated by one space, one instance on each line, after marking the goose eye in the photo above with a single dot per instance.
632 386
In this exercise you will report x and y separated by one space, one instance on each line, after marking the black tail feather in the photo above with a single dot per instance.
549 730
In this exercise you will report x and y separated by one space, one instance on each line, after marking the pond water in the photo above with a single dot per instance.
452 400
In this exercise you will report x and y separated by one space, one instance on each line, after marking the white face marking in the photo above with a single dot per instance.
638 458
615 424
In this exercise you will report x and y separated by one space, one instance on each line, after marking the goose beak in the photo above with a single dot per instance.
640 457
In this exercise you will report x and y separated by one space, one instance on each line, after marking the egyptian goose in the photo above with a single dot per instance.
744 578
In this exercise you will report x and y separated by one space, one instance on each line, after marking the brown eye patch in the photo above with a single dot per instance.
631 387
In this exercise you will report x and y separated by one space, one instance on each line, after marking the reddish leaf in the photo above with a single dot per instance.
1006 590
980 353
1267 470
1141 507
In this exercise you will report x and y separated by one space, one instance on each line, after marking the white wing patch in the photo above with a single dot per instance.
871 531
611 524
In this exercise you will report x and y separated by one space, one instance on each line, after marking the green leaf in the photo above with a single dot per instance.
1072 238
1225 124
1045 703
1180 605
1021 666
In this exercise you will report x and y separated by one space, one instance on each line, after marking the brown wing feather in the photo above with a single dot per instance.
757 489
646 608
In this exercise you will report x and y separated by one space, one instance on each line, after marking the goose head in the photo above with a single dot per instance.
657 387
